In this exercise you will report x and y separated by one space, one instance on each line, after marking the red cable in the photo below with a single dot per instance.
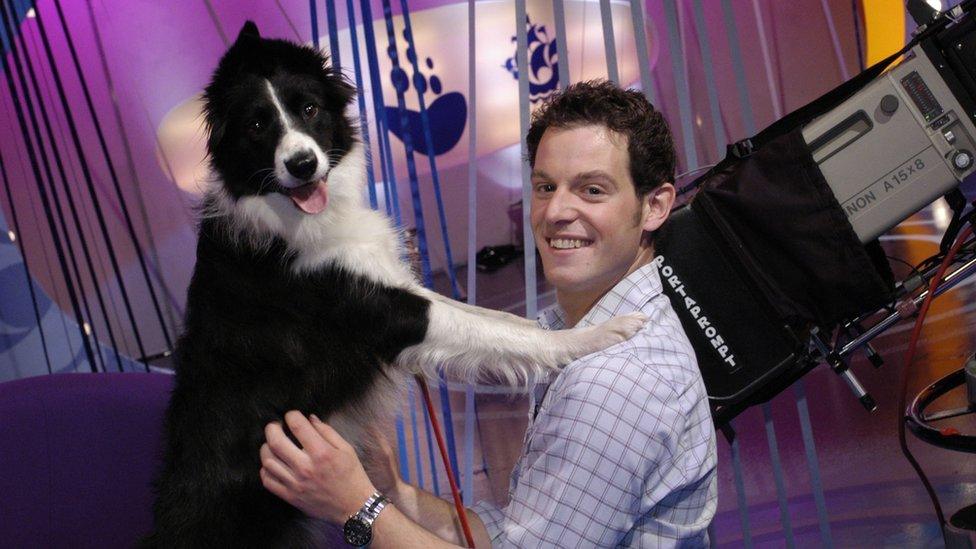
462 516
909 357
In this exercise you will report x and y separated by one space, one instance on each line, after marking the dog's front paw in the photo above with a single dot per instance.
624 327
617 329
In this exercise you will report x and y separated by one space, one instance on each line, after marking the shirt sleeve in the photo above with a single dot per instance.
599 458
492 517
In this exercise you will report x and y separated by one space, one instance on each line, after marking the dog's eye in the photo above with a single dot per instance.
255 126
310 111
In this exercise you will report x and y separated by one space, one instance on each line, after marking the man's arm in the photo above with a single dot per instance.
325 479
438 516
599 458
433 513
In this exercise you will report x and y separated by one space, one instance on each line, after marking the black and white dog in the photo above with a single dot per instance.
300 300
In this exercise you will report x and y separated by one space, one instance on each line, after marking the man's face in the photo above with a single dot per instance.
586 217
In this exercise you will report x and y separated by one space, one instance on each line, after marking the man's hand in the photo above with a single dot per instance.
323 477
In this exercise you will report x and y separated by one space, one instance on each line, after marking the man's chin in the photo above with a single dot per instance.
565 278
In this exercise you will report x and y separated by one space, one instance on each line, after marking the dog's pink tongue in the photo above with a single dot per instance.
310 199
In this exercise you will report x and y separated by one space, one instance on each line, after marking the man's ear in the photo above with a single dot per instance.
657 206
248 31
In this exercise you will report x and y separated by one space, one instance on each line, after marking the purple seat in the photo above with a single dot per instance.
78 453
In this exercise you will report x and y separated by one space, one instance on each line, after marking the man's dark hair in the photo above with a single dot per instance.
627 112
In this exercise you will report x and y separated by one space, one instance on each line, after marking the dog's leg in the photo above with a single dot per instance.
492 314
469 343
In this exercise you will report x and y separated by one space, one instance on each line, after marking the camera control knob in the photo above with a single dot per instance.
962 160
889 104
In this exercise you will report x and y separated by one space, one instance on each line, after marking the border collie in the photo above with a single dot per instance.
300 299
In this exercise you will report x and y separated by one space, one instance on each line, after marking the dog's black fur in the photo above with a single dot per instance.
258 342
259 339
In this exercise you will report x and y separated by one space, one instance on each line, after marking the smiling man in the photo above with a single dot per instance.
620 450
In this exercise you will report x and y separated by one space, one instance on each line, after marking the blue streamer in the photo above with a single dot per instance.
455 290
429 139
418 210
706 53
681 84
469 411
430 452
363 121
738 68
784 507
449 429
468 488
640 37
402 448
740 493
416 437
559 13
609 44
330 18
812 464
315 22
528 242
382 128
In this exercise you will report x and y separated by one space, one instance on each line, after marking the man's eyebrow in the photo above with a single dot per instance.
595 174
541 174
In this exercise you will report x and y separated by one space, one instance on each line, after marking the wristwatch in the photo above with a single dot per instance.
358 530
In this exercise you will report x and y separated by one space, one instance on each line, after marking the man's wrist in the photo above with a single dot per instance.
358 528
401 491
361 498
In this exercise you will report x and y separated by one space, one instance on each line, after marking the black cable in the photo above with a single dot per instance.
23 253
74 272
37 214
857 35
914 269
935 259
155 262
130 227
25 61
903 390
86 253
22 123
90 185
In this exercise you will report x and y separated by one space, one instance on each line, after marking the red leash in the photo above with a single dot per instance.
462 516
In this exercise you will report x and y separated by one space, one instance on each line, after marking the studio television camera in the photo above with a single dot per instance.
774 266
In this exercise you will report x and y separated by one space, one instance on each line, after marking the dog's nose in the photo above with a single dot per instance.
302 165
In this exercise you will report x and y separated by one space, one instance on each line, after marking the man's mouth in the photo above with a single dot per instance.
310 198
568 243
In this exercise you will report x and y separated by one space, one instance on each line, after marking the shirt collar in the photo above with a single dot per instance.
627 296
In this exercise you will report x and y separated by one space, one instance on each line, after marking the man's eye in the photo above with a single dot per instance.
309 111
594 191
545 188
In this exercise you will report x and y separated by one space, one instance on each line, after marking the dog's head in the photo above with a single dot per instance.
275 114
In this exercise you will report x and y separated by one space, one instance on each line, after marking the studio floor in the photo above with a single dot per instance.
873 497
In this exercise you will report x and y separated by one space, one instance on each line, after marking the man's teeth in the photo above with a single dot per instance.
567 243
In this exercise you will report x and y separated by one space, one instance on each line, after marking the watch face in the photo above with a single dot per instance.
357 532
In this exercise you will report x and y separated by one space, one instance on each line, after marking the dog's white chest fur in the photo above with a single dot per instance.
348 233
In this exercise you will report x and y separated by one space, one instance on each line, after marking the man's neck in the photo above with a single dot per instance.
577 304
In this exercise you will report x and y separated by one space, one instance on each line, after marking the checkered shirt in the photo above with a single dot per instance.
621 449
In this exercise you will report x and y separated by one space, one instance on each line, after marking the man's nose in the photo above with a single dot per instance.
561 207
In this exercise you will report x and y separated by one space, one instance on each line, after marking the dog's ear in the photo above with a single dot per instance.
248 32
